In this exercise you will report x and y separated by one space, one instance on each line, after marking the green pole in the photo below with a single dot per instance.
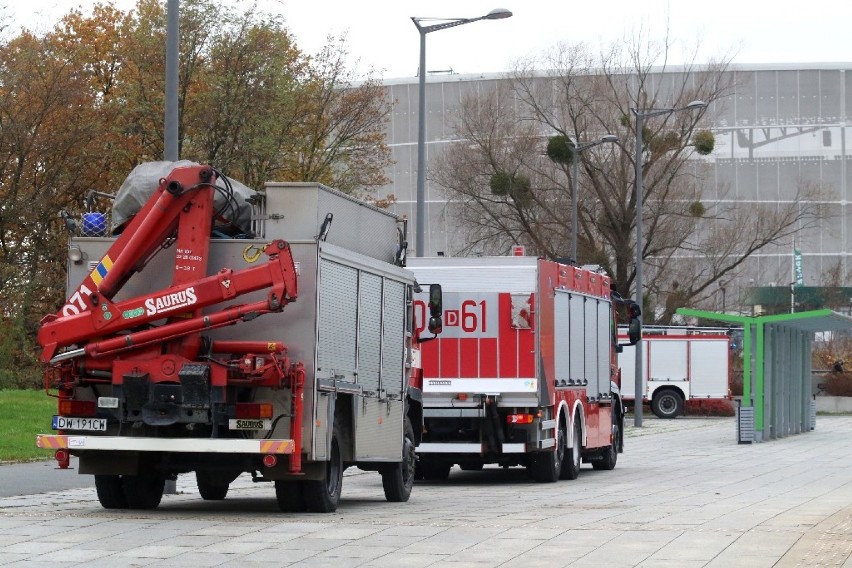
758 380
747 364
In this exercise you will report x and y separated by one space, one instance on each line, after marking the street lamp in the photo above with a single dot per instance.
641 115
578 148
497 14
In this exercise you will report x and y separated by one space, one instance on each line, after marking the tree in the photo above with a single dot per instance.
82 104
690 243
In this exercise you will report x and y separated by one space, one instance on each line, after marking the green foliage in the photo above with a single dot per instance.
25 414
19 368
560 149
518 187
501 183
665 142
704 142
521 189
697 209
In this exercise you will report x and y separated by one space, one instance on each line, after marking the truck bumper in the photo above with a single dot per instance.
463 448
180 445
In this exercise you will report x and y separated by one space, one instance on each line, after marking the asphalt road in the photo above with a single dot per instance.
40 477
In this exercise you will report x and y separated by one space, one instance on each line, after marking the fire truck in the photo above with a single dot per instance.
682 364
303 372
524 372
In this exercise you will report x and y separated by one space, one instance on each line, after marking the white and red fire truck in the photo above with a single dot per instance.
524 372
682 364
154 377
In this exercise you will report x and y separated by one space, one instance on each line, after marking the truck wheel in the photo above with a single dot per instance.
546 466
323 495
289 496
110 492
609 454
571 465
398 478
667 404
208 488
143 492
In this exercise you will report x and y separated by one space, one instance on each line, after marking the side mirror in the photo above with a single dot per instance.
436 308
634 330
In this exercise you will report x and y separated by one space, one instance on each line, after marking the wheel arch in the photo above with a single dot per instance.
666 388
414 411
577 412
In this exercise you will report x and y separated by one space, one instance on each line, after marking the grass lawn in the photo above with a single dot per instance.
23 414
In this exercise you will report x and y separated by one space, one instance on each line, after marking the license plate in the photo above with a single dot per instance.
71 423
249 424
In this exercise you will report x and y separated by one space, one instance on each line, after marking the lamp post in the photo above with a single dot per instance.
578 149
170 137
641 115
444 23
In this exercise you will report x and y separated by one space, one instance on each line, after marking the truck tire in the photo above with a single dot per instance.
571 465
667 403
289 496
609 453
398 478
323 495
546 466
110 491
143 492
433 471
208 488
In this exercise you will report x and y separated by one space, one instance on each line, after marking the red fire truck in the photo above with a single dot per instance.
524 372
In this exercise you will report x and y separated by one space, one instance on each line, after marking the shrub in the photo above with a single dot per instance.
19 367
838 384
710 407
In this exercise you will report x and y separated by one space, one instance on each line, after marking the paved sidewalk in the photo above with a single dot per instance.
684 494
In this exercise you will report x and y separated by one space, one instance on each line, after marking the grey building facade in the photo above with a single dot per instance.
782 126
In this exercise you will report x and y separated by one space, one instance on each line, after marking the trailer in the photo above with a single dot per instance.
307 375
681 364
524 372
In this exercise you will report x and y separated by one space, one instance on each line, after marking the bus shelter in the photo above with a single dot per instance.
777 399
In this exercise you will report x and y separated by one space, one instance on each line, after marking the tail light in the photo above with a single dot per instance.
520 419
63 458
270 460
68 407
253 410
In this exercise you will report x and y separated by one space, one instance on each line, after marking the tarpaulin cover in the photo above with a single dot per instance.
143 181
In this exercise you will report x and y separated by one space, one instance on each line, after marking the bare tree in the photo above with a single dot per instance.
690 241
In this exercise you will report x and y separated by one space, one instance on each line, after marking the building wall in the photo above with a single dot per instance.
783 126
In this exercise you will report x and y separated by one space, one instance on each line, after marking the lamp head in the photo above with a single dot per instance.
696 104
497 14
609 138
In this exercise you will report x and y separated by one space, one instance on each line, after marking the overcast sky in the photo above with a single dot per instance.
381 34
